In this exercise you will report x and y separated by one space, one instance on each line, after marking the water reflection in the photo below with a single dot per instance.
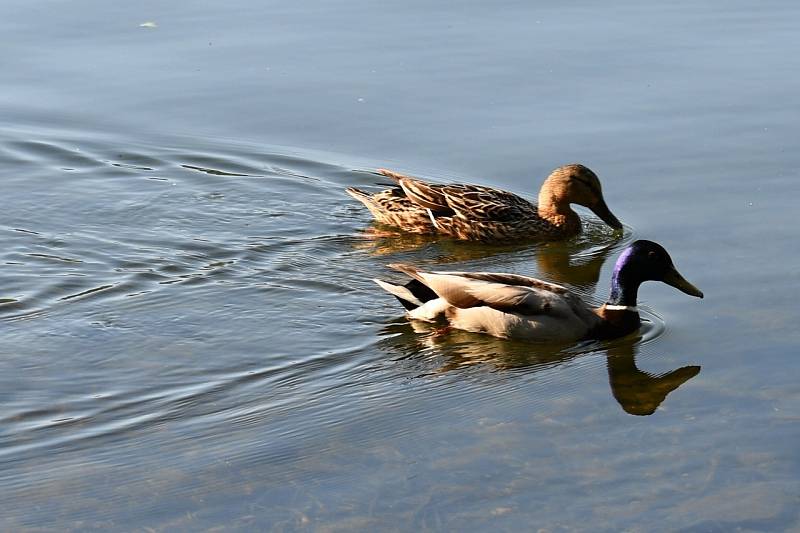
637 391
578 266
442 350
380 240
577 262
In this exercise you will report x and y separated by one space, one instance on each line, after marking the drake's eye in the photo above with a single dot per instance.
651 255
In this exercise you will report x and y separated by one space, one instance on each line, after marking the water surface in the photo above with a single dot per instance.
191 335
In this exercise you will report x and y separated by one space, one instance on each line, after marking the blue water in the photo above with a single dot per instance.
191 335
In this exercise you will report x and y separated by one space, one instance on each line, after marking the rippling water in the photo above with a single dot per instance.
191 335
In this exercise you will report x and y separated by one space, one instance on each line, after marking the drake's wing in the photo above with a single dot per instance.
542 297
451 288
521 300
512 279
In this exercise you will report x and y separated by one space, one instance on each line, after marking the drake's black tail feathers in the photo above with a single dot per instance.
421 291
411 295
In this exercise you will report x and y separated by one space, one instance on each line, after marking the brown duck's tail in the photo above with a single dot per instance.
367 199
396 176
359 195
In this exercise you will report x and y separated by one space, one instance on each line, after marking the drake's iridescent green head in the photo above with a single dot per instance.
645 261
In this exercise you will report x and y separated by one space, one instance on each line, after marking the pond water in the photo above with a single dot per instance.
191 336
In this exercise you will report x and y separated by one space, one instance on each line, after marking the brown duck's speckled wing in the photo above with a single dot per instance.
473 212
475 202
472 202
426 195
393 199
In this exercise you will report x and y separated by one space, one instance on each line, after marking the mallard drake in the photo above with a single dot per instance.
514 306
477 213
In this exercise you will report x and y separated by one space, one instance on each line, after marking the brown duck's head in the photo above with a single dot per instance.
576 184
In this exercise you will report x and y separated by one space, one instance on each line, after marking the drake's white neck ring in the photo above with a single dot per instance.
612 307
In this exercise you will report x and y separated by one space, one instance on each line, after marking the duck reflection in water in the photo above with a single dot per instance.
577 266
380 240
638 392
582 256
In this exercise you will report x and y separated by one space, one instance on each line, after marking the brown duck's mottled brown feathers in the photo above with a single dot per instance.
425 195
393 208
483 203
478 213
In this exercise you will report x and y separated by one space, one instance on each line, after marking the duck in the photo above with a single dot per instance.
480 213
522 307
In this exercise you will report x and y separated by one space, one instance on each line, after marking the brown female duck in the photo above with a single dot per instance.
478 213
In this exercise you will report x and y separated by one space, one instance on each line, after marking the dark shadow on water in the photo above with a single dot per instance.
442 350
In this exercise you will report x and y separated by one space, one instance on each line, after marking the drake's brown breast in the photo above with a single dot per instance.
615 323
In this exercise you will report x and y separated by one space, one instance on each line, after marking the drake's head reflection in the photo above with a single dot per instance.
639 392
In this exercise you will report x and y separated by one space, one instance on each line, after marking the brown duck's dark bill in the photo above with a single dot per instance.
674 278
605 214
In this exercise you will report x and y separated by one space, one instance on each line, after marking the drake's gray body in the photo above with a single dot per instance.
503 305
510 305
